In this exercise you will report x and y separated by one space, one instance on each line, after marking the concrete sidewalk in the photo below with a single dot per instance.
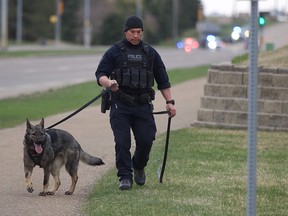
92 129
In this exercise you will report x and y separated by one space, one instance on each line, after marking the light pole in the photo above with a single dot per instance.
19 21
87 24
59 11
139 8
4 25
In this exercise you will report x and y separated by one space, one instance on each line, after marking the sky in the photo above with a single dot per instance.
227 7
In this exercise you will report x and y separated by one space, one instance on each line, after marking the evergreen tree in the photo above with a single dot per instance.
156 14
113 25
36 19
36 24
111 30
162 11
72 23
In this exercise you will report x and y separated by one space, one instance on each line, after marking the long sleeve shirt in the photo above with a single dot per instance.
112 59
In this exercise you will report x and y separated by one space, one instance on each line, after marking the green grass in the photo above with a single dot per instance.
45 53
183 74
14 111
276 58
205 175
240 59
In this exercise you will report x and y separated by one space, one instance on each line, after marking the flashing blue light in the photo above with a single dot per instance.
180 45
237 29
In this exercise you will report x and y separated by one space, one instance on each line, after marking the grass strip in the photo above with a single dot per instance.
14 111
45 53
205 175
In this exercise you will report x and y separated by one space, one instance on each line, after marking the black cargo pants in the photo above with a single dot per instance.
140 120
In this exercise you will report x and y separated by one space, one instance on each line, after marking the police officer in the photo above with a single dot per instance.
128 69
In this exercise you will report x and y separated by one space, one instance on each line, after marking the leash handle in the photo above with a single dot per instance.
160 112
78 110
166 150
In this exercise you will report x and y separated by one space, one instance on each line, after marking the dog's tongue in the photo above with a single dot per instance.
38 148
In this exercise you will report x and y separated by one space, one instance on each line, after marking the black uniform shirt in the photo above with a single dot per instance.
112 58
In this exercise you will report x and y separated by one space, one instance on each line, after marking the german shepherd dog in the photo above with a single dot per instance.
51 149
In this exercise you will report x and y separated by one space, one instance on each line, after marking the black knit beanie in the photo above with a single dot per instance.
133 22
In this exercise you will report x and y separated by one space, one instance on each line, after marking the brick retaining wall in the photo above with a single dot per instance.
225 100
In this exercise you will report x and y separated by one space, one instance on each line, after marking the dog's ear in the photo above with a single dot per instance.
42 123
28 124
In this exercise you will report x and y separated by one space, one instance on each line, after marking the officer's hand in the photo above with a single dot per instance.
113 85
171 109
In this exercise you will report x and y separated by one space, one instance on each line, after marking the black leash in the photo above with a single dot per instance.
86 105
165 151
78 110
155 113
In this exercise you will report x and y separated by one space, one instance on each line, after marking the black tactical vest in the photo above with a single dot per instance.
136 69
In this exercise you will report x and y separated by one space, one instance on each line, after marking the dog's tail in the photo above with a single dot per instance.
90 160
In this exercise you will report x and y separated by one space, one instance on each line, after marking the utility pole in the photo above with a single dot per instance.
59 11
234 10
19 21
87 24
4 25
139 8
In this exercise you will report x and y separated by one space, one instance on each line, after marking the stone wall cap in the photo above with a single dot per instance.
282 70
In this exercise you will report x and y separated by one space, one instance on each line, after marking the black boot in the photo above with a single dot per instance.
125 184
139 177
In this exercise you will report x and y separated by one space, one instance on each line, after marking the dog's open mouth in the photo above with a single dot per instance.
38 148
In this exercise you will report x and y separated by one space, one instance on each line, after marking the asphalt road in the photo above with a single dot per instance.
27 75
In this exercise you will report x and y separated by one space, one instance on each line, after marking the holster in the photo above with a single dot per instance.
105 101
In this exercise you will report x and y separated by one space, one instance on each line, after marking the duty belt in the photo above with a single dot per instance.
132 99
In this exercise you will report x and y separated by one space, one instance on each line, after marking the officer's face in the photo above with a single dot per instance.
134 35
